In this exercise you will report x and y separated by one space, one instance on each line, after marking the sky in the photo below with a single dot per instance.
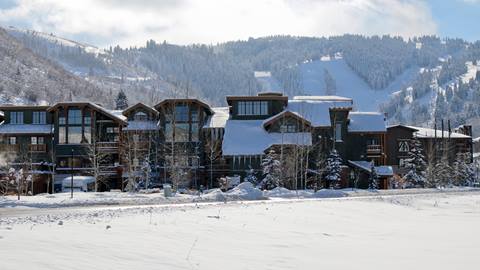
132 22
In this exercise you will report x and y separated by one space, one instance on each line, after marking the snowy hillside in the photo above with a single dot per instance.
27 78
350 84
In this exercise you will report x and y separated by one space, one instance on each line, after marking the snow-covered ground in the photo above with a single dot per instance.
244 191
422 231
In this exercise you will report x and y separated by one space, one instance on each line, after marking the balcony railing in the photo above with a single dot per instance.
374 149
37 148
9 147
107 146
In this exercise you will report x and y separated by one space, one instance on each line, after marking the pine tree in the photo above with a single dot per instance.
271 171
416 164
121 102
443 172
373 181
250 177
464 171
333 168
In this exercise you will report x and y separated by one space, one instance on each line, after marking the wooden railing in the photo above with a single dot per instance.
39 148
107 146
374 149
9 147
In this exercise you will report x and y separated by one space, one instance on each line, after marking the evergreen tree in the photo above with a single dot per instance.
250 177
416 164
121 102
271 171
464 171
373 181
443 172
333 168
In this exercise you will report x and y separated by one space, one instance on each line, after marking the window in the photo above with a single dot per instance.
194 132
87 118
263 107
252 108
37 140
140 116
338 131
39 118
87 134
403 146
181 113
181 132
16 118
112 130
62 135
194 114
74 135
12 140
401 162
288 128
136 138
74 117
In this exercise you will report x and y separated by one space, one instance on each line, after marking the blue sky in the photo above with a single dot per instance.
132 22
457 18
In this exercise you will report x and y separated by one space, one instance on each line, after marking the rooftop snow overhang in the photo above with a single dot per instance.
183 100
96 107
267 122
127 111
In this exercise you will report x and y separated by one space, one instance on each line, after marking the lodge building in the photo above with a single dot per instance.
189 140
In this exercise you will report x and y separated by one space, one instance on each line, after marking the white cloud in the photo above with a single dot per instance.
209 21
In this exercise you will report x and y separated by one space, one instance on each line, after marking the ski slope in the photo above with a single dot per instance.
349 84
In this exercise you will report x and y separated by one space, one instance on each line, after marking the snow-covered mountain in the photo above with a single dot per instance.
27 78
413 81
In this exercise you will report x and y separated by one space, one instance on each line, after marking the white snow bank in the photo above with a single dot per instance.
245 191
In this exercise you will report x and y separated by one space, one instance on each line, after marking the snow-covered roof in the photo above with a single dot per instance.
285 113
248 137
324 98
118 114
141 125
476 140
317 111
218 119
430 133
366 122
366 166
25 129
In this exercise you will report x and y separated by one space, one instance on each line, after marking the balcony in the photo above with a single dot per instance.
107 146
9 147
37 148
374 149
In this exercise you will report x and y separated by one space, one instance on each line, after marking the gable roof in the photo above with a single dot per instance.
139 105
115 115
285 113
248 137
366 166
182 100
366 122
317 111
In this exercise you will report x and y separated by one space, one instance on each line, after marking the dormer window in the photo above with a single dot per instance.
288 128
252 108
140 116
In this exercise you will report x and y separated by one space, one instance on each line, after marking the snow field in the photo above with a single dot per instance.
434 231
